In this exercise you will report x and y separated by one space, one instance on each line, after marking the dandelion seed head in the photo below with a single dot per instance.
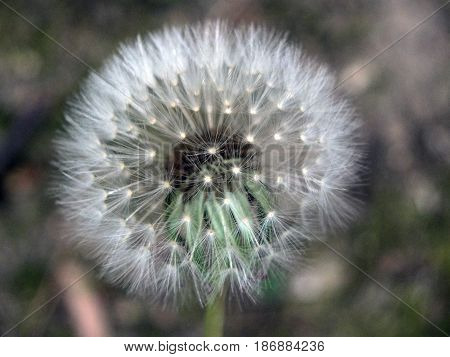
162 175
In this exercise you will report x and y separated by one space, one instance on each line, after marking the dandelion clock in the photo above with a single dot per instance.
200 160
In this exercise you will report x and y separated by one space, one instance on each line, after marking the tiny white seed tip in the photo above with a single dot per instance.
236 170
207 179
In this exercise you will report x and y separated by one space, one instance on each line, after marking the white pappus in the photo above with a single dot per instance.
200 159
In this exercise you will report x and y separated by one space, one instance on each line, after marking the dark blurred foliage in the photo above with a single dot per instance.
401 238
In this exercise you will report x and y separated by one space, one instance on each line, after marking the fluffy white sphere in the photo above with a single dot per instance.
201 158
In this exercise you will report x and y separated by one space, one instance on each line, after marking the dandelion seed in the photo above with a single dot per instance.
121 166
207 179
151 154
250 138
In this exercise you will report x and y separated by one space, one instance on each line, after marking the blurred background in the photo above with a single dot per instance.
401 237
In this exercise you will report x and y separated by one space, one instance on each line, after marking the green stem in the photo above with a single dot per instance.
215 317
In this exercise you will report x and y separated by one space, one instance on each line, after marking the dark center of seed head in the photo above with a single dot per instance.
212 154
